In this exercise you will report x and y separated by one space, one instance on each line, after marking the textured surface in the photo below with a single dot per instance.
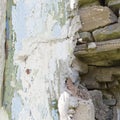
101 110
75 103
107 33
101 76
39 58
91 22
87 2
106 53
113 4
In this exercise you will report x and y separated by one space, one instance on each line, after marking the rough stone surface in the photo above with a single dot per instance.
89 79
85 110
107 33
66 101
111 102
75 103
113 4
106 53
91 46
75 4
67 105
117 113
40 59
119 17
87 2
101 110
41 55
91 17
86 37
81 67
103 78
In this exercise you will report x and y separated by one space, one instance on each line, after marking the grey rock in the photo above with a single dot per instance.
86 37
116 111
88 2
113 4
105 54
101 78
81 67
119 17
107 33
110 102
119 12
96 16
89 79
101 110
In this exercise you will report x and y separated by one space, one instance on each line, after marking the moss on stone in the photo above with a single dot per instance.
87 2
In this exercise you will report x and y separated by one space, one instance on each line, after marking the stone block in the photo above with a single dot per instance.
89 79
101 77
111 102
119 17
113 4
107 33
106 53
85 110
96 16
101 110
86 37
87 2
74 108
81 67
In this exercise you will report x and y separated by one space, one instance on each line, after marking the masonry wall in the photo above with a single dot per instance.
59 60
99 48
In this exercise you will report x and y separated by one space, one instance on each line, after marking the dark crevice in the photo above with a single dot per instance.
102 2
92 36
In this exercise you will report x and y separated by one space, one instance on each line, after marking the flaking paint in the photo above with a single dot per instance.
37 41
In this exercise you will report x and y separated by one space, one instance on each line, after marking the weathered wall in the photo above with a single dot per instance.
38 58
39 53
40 39
99 48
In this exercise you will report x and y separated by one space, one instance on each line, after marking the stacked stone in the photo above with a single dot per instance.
98 46
98 25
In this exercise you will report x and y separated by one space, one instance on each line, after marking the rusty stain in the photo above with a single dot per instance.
28 71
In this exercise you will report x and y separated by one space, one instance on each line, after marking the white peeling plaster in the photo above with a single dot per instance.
43 55
73 4
49 65
39 17
43 50
3 114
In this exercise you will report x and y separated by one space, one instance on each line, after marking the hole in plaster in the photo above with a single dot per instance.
28 71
